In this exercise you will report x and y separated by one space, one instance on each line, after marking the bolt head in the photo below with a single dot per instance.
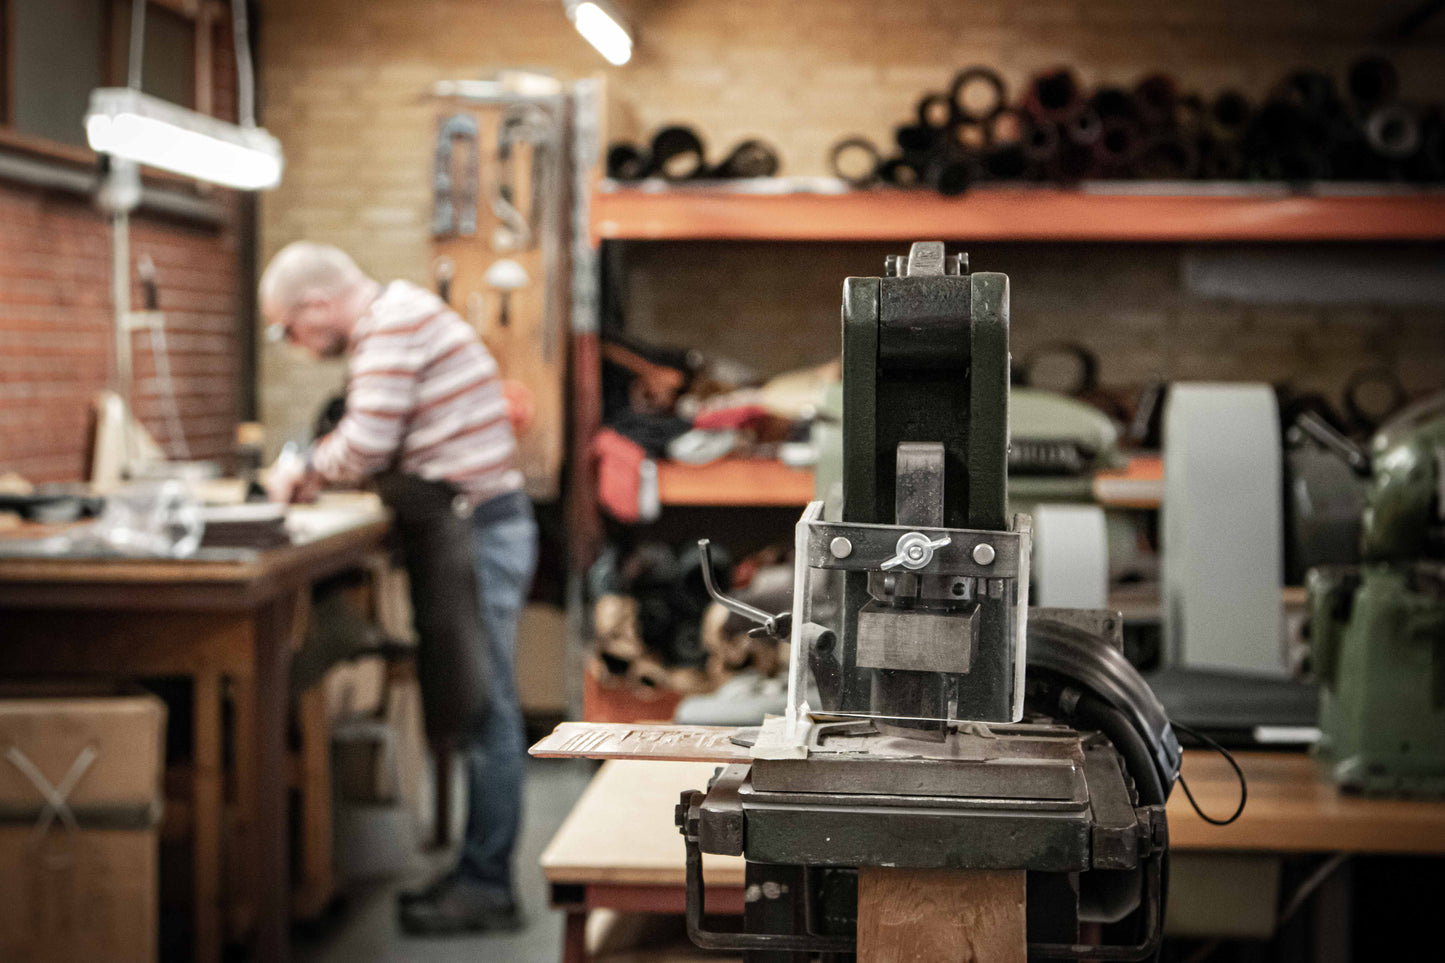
983 553
840 547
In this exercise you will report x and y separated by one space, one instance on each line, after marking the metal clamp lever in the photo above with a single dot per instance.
778 626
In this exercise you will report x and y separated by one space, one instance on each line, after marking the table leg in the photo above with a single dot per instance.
574 936
315 885
272 840
244 888
207 802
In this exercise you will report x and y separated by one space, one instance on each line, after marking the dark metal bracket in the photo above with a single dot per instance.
818 943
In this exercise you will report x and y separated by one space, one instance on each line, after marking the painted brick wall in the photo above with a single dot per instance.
345 91
56 316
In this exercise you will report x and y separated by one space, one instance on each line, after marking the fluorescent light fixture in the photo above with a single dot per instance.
128 124
601 25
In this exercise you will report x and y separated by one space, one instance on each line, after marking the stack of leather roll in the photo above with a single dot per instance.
1311 127
677 153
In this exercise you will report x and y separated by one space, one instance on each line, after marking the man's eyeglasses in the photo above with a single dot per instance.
280 331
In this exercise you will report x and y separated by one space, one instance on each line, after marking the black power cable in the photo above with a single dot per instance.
1243 783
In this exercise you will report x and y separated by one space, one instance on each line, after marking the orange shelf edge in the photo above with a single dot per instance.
1015 214
734 481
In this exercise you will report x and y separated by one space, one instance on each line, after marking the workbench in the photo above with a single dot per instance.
619 848
227 621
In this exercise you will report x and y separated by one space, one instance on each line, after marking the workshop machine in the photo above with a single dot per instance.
934 721
1377 629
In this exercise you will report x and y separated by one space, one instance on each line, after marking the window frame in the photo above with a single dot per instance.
203 15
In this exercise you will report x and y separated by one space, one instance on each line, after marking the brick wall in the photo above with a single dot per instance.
345 90
777 308
56 317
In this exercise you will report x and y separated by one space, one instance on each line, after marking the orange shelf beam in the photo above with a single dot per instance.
752 482
1138 485
1014 214
762 483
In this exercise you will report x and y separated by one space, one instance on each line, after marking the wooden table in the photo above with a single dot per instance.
620 849
225 620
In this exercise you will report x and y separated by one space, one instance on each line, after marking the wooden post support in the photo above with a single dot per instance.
933 916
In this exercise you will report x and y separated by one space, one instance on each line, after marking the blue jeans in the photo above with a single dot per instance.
504 549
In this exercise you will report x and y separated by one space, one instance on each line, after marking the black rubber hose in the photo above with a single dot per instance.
1372 81
1053 95
1393 131
751 158
1091 712
1116 147
1114 102
1309 90
855 147
1094 713
1229 115
1041 142
1155 98
1168 156
1007 162
1007 157
935 111
627 162
916 138
677 153
1085 127
971 136
900 172
951 176
1071 163
971 78
1219 160
1428 164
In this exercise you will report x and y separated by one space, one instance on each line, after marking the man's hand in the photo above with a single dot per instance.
521 408
292 485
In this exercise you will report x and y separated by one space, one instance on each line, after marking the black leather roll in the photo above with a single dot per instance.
975 78
751 158
677 154
855 160
627 162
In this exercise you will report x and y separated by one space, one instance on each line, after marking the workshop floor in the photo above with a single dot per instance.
366 927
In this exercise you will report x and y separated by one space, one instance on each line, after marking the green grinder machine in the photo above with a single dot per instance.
1378 629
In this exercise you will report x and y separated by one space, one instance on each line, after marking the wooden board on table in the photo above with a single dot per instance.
622 830
1292 808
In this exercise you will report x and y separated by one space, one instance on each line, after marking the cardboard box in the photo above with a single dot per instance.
82 886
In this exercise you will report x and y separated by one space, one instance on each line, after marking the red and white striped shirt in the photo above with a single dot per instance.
425 397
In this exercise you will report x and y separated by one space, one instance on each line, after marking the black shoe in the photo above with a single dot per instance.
460 906
430 890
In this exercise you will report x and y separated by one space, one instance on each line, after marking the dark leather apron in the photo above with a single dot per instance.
454 663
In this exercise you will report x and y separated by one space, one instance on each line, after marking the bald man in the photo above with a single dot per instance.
427 420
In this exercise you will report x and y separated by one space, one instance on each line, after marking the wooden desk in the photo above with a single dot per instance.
216 622
619 848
